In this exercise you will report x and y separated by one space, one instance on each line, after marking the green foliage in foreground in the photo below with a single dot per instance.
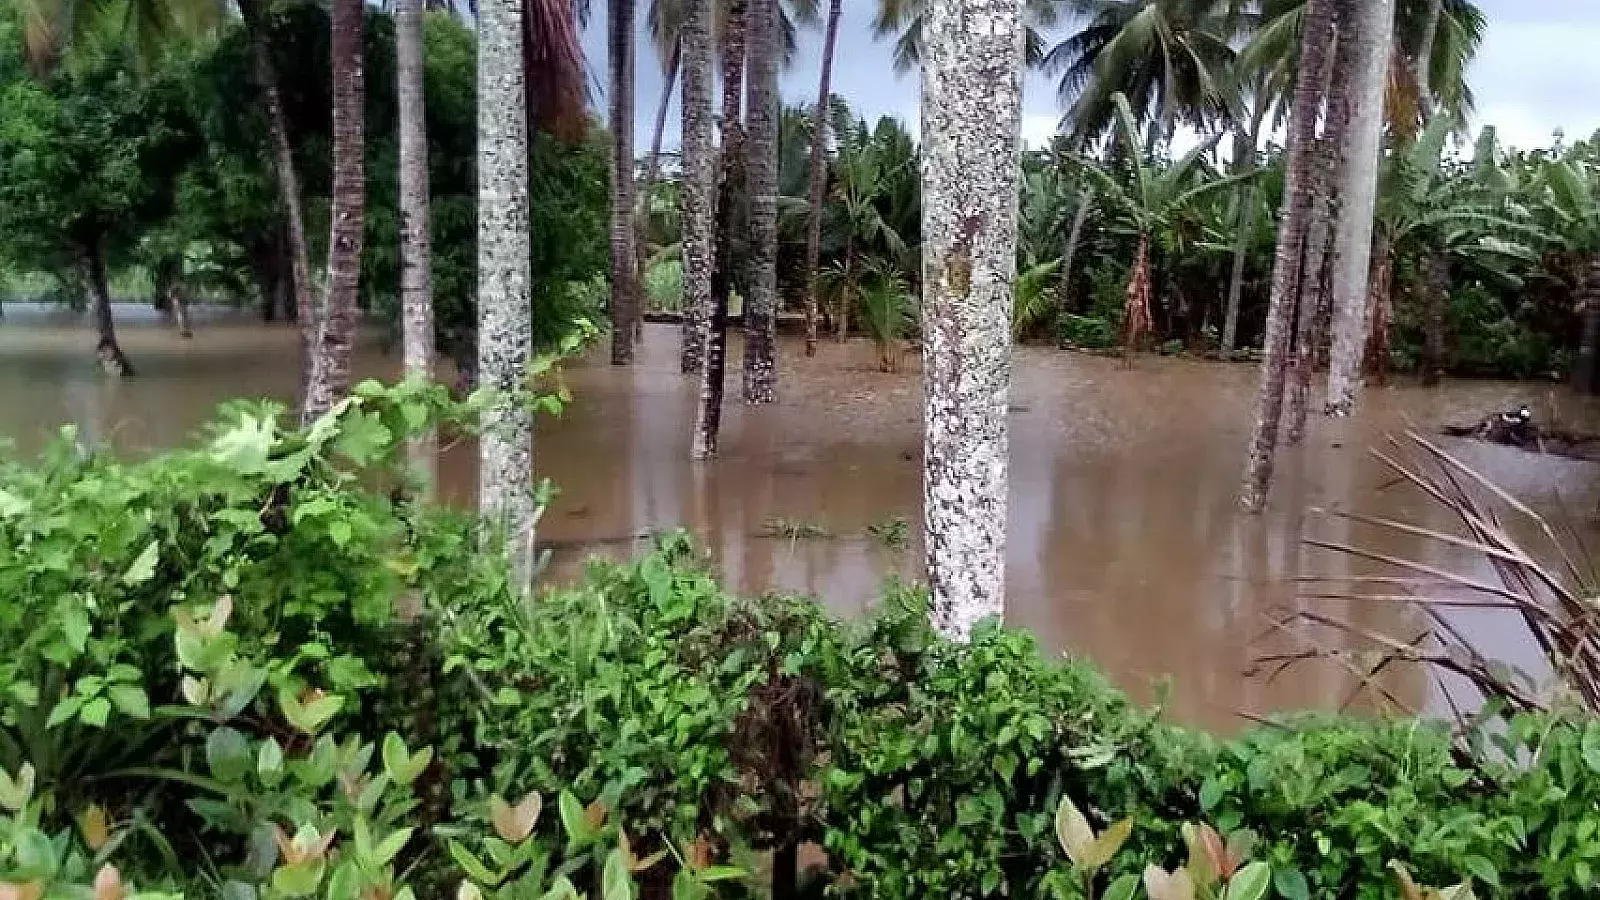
255 670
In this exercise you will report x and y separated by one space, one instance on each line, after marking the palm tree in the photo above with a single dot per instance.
761 147
697 197
1148 200
866 170
971 108
818 183
1298 197
336 330
904 21
624 258
1366 31
505 340
416 283
1170 58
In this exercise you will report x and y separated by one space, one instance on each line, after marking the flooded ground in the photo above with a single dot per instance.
1125 544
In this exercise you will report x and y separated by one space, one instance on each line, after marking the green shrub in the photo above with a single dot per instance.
215 653
1088 332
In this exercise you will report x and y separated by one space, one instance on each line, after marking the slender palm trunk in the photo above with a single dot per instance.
505 331
1244 153
624 258
304 292
761 146
1380 313
336 332
708 417
1436 281
1313 287
1586 370
416 249
179 304
696 198
1372 27
971 121
819 172
652 171
1298 194
1136 302
107 350
1080 217
847 292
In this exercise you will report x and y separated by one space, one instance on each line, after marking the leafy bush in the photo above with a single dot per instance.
213 653
1088 332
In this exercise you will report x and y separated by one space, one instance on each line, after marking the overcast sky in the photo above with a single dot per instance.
1538 71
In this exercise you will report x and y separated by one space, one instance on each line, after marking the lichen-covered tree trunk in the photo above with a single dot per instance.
1369 36
336 332
624 259
306 304
730 190
819 172
695 199
505 330
1299 187
1436 282
107 351
416 247
971 134
761 152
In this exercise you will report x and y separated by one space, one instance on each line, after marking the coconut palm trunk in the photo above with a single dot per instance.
306 303
1080 218
1244 154
696 197
624 259
971 127
652 171
1136 302
505 332
1436 282
1370 33
1422 65
1313 287
708 416
1380 312
818 182
761 151
416 248
1299 191
1586 369
107 351
336 332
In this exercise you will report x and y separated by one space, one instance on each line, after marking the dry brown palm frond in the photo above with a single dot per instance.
1541 584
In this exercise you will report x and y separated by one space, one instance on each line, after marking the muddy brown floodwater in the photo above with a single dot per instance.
1125 544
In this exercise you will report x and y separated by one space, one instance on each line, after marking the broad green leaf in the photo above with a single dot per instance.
95 712
130 700
1124 888
228 754
64 711
16 792
1073 832
1107 844
143 567
269 761
390 847
1250 882
472 866
1291 884
299 880
1483 870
